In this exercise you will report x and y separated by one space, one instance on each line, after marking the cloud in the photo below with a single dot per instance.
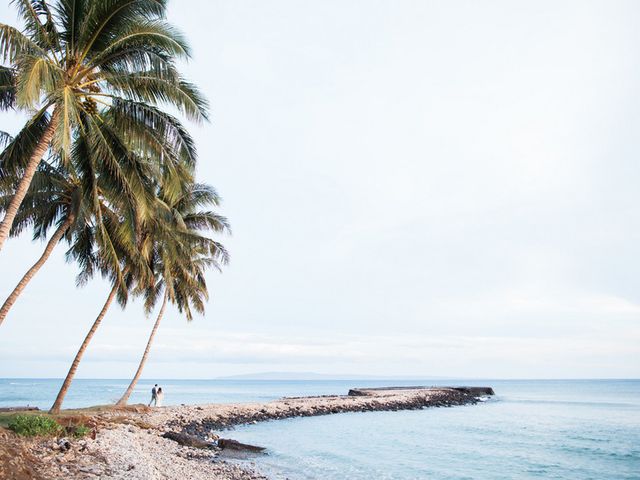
420 355
410 191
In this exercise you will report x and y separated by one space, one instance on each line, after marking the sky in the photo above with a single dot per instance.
415 188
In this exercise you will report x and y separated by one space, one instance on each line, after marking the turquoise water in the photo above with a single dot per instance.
574 429
83 393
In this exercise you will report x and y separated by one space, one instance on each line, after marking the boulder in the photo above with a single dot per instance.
227 443
187 440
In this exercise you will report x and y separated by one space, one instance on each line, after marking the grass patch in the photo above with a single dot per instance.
5 419
34 425
76 425
80 431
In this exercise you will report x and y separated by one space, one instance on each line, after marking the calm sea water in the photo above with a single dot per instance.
570 429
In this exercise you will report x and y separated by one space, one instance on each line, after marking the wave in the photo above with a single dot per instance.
600 452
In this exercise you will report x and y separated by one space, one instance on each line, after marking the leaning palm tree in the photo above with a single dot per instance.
78 60
189 291
93 260
53 198
180 252
116 288
120 258
59 195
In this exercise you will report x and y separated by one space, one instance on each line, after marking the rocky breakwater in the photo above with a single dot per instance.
473 391
141 443
203 421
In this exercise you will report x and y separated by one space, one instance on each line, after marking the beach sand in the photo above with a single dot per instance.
129 444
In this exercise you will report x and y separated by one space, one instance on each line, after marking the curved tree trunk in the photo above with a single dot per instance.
76 361
13 296
25 181
136 377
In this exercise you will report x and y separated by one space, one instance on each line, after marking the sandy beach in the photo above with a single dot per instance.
130 443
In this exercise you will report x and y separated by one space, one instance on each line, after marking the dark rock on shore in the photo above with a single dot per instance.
227 443
187 440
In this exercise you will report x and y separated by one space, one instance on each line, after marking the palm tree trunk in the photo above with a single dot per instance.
11 299
25 181
136 377
76 361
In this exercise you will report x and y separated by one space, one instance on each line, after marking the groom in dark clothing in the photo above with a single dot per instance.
154 395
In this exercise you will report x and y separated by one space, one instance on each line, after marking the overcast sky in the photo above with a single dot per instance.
426 188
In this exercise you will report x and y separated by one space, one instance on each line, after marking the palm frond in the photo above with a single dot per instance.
104 18
14 156
70 14
14 44
38 77
142 87
154 35
44 33
7 88
155 132
69 111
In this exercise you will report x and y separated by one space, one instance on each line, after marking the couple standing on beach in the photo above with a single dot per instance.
157 395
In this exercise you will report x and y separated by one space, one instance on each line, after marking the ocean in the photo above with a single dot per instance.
551 429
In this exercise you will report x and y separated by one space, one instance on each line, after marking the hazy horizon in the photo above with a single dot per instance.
311 376
414 187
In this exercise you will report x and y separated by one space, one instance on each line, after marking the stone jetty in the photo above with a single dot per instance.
203 420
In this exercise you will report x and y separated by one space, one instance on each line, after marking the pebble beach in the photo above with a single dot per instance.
131 443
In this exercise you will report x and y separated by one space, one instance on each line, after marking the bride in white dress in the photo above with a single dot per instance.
159 397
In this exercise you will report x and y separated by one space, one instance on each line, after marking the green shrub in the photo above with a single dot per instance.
34 425
81 431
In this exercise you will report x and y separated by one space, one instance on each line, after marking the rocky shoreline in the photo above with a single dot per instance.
201 421
141 443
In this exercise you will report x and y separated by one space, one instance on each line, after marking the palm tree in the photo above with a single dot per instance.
194 290
116 287
52 199
128 241
79 60
59 195
180 252
94 260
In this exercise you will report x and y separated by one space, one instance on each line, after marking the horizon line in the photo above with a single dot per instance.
329 378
